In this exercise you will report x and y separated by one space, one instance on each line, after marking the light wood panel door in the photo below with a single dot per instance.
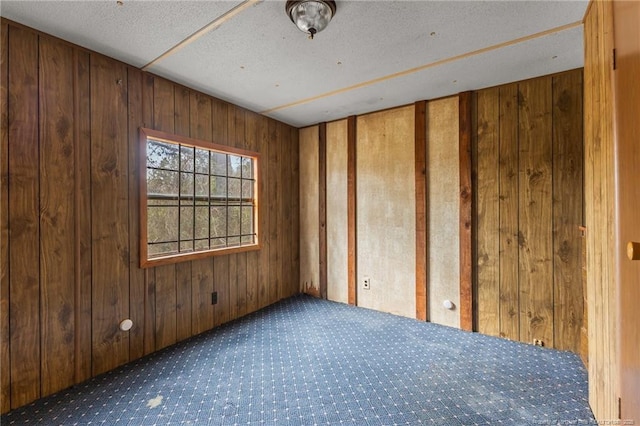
626 18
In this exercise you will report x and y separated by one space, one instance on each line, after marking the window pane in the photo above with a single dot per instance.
218 164
233 241
162 182
234 220
186 223
234 165
202 244
162 224
202 187
218 187
202 161
162 155
247 219
162 249
247 189
234 189
186 188
247 239
247 168
202 222
186 246
218 243
218 222
186 158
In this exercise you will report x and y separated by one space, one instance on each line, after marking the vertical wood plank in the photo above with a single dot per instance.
24 283
535 193
466 259
220 132
136 275
264 271
294 207
150 283
109 189
351 209
322 208
182 126
57 186
237 262
284 213
274 197
421 209
203 312
508 213
253 266
567 209
165 281
5 358
487 256
165 305
82 140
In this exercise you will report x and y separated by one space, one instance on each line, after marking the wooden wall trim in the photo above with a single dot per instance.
351 209
322 207
466 280
421 209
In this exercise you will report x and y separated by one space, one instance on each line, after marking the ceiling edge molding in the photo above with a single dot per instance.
426 66
204 30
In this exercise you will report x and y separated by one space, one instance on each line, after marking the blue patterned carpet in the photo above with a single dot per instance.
305 361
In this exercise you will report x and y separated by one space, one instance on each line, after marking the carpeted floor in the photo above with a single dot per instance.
306 361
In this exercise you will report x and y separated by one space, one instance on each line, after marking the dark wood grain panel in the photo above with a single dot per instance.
264 168
82 138
274 201
24 239
165 276
294 208
57 216
535 194
182 127
165 306
487 255
109 203
202 311
237 262
567 209
466 259
351 210
220 135
284 213
253 264
137 282
149 297
508 210
5 358
421 209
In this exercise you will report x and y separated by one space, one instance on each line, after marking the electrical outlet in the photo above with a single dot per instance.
538 342
214 298
366 283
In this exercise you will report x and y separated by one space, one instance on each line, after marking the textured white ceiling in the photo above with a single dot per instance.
258 59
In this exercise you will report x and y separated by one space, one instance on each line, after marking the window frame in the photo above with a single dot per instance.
145 261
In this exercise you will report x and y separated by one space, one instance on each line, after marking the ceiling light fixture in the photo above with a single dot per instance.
311 16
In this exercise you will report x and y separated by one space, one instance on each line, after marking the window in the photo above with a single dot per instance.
197 199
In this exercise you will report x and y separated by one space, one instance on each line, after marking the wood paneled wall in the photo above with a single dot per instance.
70 272
599 211
528 167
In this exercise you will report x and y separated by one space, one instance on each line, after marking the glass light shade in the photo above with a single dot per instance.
311 16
